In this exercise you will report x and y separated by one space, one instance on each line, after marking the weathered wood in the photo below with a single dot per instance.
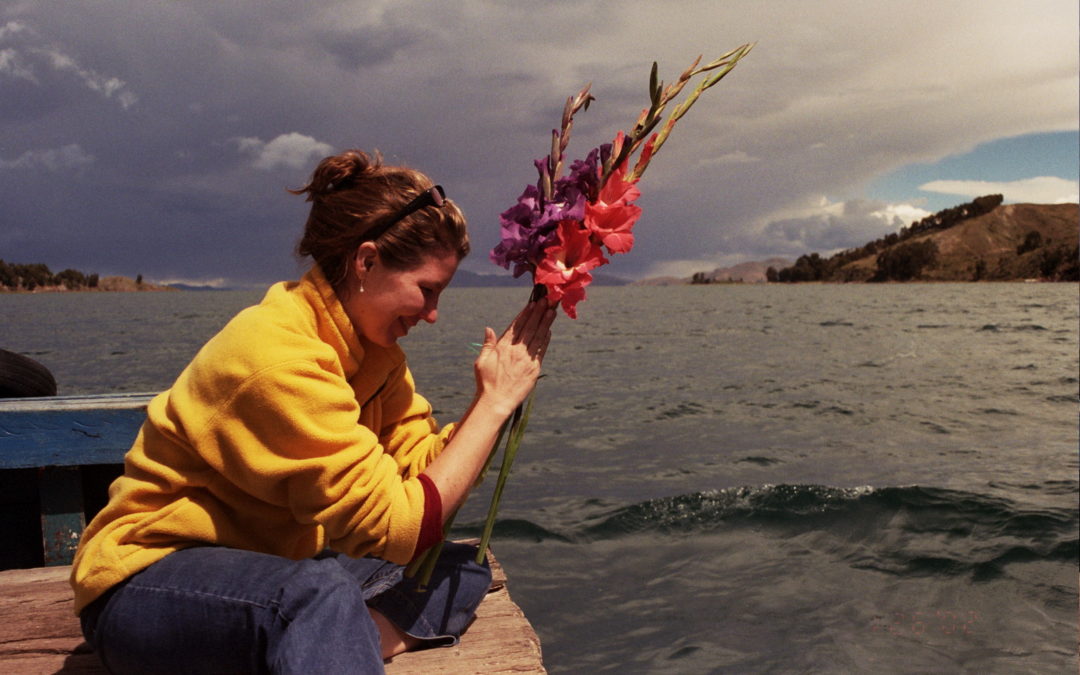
60 435
39 633
69 430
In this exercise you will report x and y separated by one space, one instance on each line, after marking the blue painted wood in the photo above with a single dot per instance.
58 435
69 430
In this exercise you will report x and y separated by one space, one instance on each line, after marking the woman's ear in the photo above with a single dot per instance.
364 260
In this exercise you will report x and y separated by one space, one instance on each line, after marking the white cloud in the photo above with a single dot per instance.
13 64
902 213
1038 190
736 157
70 156
292 150
11 28
103 84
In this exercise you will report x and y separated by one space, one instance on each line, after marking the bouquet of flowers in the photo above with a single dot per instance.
559 228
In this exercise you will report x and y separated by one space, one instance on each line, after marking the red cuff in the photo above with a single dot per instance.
431 531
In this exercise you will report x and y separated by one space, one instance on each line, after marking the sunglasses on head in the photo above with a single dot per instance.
434 196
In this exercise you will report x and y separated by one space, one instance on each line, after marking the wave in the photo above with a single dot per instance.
911 530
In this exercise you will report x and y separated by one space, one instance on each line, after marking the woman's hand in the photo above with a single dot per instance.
509 365
506 371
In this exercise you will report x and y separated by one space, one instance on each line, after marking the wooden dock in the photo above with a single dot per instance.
57 456
39 633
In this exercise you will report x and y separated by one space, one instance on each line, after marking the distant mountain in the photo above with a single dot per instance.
198 287
467 279
752 272
748 272
981 241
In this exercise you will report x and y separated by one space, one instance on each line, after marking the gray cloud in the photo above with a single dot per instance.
197 115
70 156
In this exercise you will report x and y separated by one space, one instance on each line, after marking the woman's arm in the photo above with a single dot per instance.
506 372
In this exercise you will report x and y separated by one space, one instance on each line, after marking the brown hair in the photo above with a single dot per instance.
353 193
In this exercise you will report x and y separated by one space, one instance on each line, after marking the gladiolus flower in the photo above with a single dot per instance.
565 268
612 216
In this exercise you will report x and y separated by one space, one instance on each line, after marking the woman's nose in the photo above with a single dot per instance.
430 313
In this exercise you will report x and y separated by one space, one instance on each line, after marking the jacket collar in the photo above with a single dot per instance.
337 330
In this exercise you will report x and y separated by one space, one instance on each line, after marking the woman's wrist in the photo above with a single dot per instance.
493 405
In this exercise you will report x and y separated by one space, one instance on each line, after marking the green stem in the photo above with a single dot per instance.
425 564
517 432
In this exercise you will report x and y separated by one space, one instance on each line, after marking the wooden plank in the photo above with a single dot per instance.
78 402
39 633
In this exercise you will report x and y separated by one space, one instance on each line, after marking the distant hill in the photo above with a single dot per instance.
38 278
119 283
199 287
748 272
984 240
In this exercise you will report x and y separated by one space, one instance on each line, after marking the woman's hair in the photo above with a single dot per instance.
352 194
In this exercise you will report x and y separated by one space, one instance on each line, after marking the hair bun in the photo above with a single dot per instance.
334 172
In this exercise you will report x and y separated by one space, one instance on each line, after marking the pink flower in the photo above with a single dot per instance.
612 216
564 269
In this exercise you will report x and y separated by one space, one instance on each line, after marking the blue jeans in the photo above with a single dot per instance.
219 610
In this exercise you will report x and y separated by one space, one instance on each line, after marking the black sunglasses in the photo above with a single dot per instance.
434 196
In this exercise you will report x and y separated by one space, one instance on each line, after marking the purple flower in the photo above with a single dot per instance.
585 173
529 226
523 236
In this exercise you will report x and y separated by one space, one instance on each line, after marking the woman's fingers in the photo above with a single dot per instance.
541 336
508 366
534 318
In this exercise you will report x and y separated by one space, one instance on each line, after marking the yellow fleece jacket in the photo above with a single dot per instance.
287 434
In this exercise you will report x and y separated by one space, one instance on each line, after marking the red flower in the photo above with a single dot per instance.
565 267
612 216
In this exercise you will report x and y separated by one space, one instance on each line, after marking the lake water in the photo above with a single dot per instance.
758 478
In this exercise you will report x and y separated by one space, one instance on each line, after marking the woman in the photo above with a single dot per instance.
276 490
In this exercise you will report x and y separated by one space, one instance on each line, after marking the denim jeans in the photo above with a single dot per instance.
219 610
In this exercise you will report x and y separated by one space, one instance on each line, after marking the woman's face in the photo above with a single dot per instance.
392 300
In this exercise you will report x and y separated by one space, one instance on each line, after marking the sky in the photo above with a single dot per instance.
160 138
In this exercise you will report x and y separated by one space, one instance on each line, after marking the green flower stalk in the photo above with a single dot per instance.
517 432
560 227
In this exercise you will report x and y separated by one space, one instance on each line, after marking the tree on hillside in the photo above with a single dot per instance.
8 277
71 279
1032 241
807 268
32 275
905 261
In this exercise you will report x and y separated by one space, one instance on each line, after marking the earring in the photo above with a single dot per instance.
361 286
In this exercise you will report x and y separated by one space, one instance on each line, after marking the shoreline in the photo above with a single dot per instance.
114 284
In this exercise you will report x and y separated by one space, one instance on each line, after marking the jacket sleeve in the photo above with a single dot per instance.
288 436
408 431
